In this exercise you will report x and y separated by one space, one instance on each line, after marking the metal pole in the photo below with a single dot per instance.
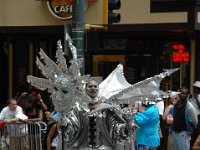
78 29
181 74
192 64
63 142
67 29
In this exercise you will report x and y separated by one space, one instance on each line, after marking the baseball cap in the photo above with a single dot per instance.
197 84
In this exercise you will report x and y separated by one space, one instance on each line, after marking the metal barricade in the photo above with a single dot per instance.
22 136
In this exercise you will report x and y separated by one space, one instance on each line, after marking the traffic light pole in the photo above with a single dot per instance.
78 29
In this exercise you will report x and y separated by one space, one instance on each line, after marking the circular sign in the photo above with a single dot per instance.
61 9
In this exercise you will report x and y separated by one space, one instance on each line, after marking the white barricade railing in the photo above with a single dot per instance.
22 136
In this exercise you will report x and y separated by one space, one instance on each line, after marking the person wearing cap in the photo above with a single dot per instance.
195 100
147 136
95 126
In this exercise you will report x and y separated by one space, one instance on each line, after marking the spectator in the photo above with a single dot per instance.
24 98
33 110
51 132
196 145
35 114
10 115
52 117
195 100
182 117
41 102
52 136
172 99
147 137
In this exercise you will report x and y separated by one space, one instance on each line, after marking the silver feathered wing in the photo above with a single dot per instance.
117 90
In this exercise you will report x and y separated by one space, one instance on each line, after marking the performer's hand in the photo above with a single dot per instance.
135 127
122 130
131 128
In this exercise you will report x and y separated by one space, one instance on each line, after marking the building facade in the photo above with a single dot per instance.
148 38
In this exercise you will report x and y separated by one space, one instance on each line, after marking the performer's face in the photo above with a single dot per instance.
92 89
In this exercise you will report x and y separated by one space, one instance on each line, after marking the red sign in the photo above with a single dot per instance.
180 55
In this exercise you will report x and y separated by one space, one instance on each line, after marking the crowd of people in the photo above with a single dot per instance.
29 107
107 128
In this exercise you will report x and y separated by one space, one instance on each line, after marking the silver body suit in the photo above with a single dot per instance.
98 129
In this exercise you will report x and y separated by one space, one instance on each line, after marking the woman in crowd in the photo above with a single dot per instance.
170 102
51 128
34 112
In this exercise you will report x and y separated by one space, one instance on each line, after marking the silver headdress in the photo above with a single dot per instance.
65 83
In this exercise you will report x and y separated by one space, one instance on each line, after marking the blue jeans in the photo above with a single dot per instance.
144 147
181 140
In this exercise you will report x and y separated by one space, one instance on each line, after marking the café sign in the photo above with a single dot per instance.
62 9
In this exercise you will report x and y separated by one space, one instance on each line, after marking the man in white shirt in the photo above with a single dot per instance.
195 100
11 113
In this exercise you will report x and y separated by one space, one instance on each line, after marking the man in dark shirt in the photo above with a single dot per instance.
184 115
179 114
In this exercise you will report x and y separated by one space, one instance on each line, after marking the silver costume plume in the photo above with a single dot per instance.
64 83
68 86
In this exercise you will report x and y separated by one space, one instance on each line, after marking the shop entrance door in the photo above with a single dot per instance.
103 65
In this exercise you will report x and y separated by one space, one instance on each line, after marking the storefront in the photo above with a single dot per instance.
19 47
143 54
143 42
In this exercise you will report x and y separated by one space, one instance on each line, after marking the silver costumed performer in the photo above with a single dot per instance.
89 121
91 118
97 126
